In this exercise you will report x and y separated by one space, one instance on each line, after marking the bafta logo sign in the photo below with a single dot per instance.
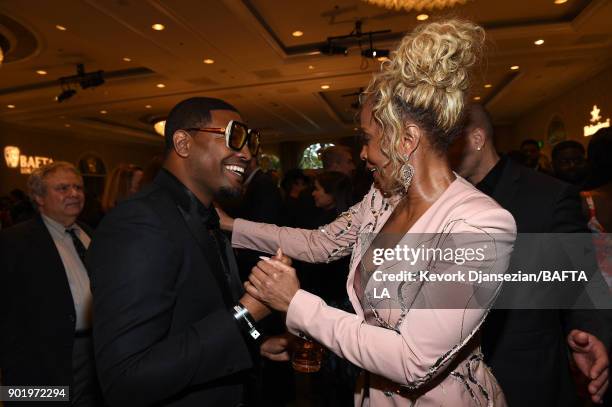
26 163
11 155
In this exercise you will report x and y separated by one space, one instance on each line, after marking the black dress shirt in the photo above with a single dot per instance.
490 181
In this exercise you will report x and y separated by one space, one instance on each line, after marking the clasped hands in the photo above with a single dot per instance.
274 282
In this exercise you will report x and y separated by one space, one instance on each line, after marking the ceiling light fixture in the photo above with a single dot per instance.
83 79
297 33
67 125
332 47
324 87
148 106
422 17
488 85
417 5
539 42
373 52
65 95
209 61
311 67
10 106
126 59
160 85
560 1
41 72
60 27
103 112
158 27
476 98
514 67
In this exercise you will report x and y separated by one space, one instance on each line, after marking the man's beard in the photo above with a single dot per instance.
228 193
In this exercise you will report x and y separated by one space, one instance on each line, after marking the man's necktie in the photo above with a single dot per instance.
78 245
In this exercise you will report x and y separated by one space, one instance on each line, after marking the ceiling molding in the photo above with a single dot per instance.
592 9
247 13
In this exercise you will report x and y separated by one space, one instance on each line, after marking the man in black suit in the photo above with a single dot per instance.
172 323
528 348
45 299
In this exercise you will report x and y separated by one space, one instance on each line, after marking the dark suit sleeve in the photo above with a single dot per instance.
135 266
5 269
568 218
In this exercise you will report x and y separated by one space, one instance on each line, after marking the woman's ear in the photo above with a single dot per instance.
411 139
182 143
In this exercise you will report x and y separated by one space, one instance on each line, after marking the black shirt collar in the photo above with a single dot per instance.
490 181
187 199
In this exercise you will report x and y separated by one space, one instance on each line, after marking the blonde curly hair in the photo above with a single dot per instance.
425 82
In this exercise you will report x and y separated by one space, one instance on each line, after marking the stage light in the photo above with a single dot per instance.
375 53
332 49
65 95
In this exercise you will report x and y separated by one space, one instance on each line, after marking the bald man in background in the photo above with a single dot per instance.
528 348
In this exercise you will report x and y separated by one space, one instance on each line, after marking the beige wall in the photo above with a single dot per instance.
37 142
573 108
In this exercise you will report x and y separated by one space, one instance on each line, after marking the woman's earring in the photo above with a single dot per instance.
406 175
479 148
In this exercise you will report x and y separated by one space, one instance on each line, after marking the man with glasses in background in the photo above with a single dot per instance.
45 298
173 325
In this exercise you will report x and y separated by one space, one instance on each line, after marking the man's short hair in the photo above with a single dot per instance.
333 155
479 117
565 145
36 181
191 113
530 141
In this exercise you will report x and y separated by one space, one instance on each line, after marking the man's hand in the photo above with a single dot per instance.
256 308
275 348
590 357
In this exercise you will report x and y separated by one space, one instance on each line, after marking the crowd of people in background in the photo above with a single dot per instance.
299 190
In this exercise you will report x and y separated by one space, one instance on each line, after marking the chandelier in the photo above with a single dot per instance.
417 5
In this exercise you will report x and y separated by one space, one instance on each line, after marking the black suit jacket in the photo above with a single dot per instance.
527 349
37 316
163 332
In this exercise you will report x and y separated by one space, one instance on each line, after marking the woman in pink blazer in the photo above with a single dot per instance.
418 345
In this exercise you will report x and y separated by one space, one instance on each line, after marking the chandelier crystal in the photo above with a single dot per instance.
417 5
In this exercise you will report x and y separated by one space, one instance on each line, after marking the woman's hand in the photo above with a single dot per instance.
225 221
274 283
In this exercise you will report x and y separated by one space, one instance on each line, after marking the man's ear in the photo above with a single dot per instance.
181 141
411 139
477 139
39 200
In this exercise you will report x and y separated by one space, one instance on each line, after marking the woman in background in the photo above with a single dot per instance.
123 182
332 193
